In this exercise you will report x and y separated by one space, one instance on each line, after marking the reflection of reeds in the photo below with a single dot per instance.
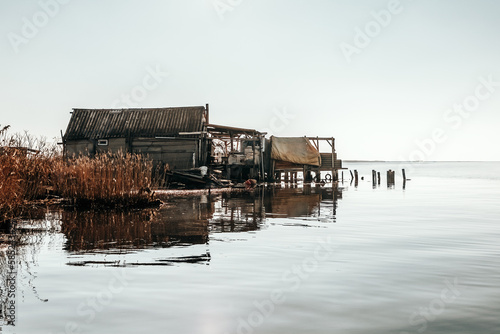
105 230
30 169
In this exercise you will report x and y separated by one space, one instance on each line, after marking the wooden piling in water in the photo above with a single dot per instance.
378 174
317 176
374 177
404 179
390 177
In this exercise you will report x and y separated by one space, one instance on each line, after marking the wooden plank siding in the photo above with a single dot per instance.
177 153
115 145
79 147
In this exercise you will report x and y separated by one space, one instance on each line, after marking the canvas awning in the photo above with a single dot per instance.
297 150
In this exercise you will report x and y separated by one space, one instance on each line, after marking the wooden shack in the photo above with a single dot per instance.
173 136
183 138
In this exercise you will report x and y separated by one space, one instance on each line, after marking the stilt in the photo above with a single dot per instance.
390 178
404 179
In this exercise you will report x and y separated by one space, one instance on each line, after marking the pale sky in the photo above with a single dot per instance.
379 76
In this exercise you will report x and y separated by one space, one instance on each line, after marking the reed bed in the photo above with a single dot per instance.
121 179
31 169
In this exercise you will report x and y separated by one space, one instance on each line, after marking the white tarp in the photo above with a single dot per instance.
297 150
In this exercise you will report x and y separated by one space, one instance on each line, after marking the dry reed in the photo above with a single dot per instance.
121 179
31 169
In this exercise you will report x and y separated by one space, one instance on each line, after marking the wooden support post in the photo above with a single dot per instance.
286 177
352 176
378 175
207 114
307 175
272 172
253 172
334 178
261 154
404 179
356 176
342 176
390 178
231 148
374 177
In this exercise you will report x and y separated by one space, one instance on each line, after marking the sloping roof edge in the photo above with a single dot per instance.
145 122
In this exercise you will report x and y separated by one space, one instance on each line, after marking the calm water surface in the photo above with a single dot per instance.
358 259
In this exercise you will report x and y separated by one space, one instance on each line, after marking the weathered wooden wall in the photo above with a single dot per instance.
177 153
79 147
115 145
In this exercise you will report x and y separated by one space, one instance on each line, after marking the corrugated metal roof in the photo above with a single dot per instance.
113 123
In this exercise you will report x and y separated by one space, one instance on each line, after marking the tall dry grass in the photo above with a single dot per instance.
121 179
31 169
10 178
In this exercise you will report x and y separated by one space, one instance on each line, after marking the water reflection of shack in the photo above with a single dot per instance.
184 219
238 212
300 202
189 220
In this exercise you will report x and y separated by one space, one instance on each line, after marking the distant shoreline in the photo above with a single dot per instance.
410 162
